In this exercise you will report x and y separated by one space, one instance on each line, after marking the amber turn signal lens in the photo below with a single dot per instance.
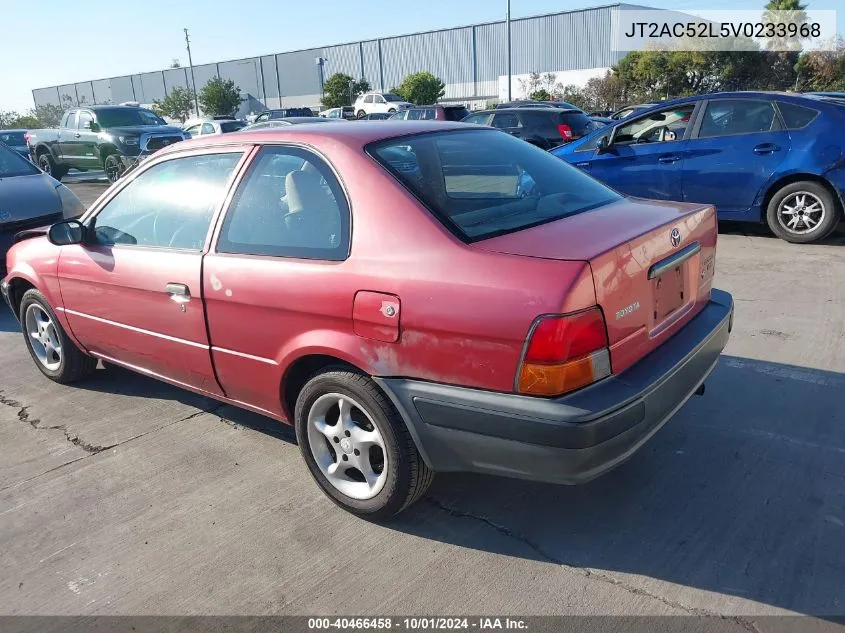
558 379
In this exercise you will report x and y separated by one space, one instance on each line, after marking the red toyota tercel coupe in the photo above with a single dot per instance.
412 297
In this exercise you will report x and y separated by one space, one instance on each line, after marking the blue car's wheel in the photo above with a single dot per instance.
803 212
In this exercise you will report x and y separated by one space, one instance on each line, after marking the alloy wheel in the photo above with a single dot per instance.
347 446
43 337
801 212
113 168
44 164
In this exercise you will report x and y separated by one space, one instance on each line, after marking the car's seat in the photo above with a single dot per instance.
313 219
264 224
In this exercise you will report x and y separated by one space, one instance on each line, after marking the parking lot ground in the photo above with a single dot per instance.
125 496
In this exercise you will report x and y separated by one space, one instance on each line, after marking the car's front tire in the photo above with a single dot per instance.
49 166
54 353
803 212
361 114
357 446
113 167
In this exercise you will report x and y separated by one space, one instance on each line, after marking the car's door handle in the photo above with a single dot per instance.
766 148
583 165
178 292
668 159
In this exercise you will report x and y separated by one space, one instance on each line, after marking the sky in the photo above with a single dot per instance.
50 42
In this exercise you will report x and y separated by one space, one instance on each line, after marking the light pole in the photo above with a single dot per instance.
191 64
508 22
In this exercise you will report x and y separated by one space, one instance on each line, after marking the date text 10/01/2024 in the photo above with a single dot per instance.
417 623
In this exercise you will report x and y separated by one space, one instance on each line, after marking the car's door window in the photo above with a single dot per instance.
506 120
193 130
428 114
415 115
84 121
170 205
289 205
207 128
593 143
71 120
368 99
400 116
663 126
378 99
480 119
262 117
728 117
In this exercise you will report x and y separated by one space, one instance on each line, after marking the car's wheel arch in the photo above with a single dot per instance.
782 181
18 285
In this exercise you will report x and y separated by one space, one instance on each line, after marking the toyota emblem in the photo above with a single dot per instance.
675 237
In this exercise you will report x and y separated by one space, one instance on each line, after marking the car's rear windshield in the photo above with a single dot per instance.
455 113
13 164
13 138
232 126
124 117
483 183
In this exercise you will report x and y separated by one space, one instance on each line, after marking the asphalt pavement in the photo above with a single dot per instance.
126 496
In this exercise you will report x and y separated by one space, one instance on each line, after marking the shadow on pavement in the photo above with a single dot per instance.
8 322
757 229
742 493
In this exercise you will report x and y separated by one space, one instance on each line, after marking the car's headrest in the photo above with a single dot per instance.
305 193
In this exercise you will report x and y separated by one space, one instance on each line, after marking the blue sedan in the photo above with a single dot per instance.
756 156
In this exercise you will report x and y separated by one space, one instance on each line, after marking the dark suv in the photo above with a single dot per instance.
282 113
543 127
432 113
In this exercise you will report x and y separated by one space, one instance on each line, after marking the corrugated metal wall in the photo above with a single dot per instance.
469 60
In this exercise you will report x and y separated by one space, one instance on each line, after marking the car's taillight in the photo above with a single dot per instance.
563 353
565 131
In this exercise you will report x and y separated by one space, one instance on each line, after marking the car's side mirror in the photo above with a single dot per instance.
604 144
94 126
66 232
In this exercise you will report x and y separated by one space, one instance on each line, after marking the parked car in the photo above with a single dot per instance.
432 113
16 140
543 127
530 103
346 113
378 116
756 156
294 120
835 95
459 327
29 198
600 121
204 126
100 137
605 114
371 102
624 113
282 113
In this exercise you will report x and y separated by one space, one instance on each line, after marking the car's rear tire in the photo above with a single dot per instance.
357 446
113 167
391 111
361 114
803 212
54 353
49 166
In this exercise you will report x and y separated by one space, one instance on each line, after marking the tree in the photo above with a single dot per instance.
49 115
336 90
822 70
177 105
220 97
540 95
421 88
531 84
605 93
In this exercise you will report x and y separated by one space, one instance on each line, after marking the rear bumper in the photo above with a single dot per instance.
571 439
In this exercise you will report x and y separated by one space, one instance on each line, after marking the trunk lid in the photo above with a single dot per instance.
652 264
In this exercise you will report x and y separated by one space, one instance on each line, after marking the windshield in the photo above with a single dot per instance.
12 138
12 164
482 183
125 117
232 126
392 97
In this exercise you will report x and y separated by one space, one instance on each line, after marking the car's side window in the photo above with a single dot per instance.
795 116
727 117
400 116
289 204
506 120
415 115
71 120
663 126
84 121
368 99
207 128
193 130
264 116
479 119
428 114
170 205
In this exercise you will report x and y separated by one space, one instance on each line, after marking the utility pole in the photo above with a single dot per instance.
191 64
508 21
